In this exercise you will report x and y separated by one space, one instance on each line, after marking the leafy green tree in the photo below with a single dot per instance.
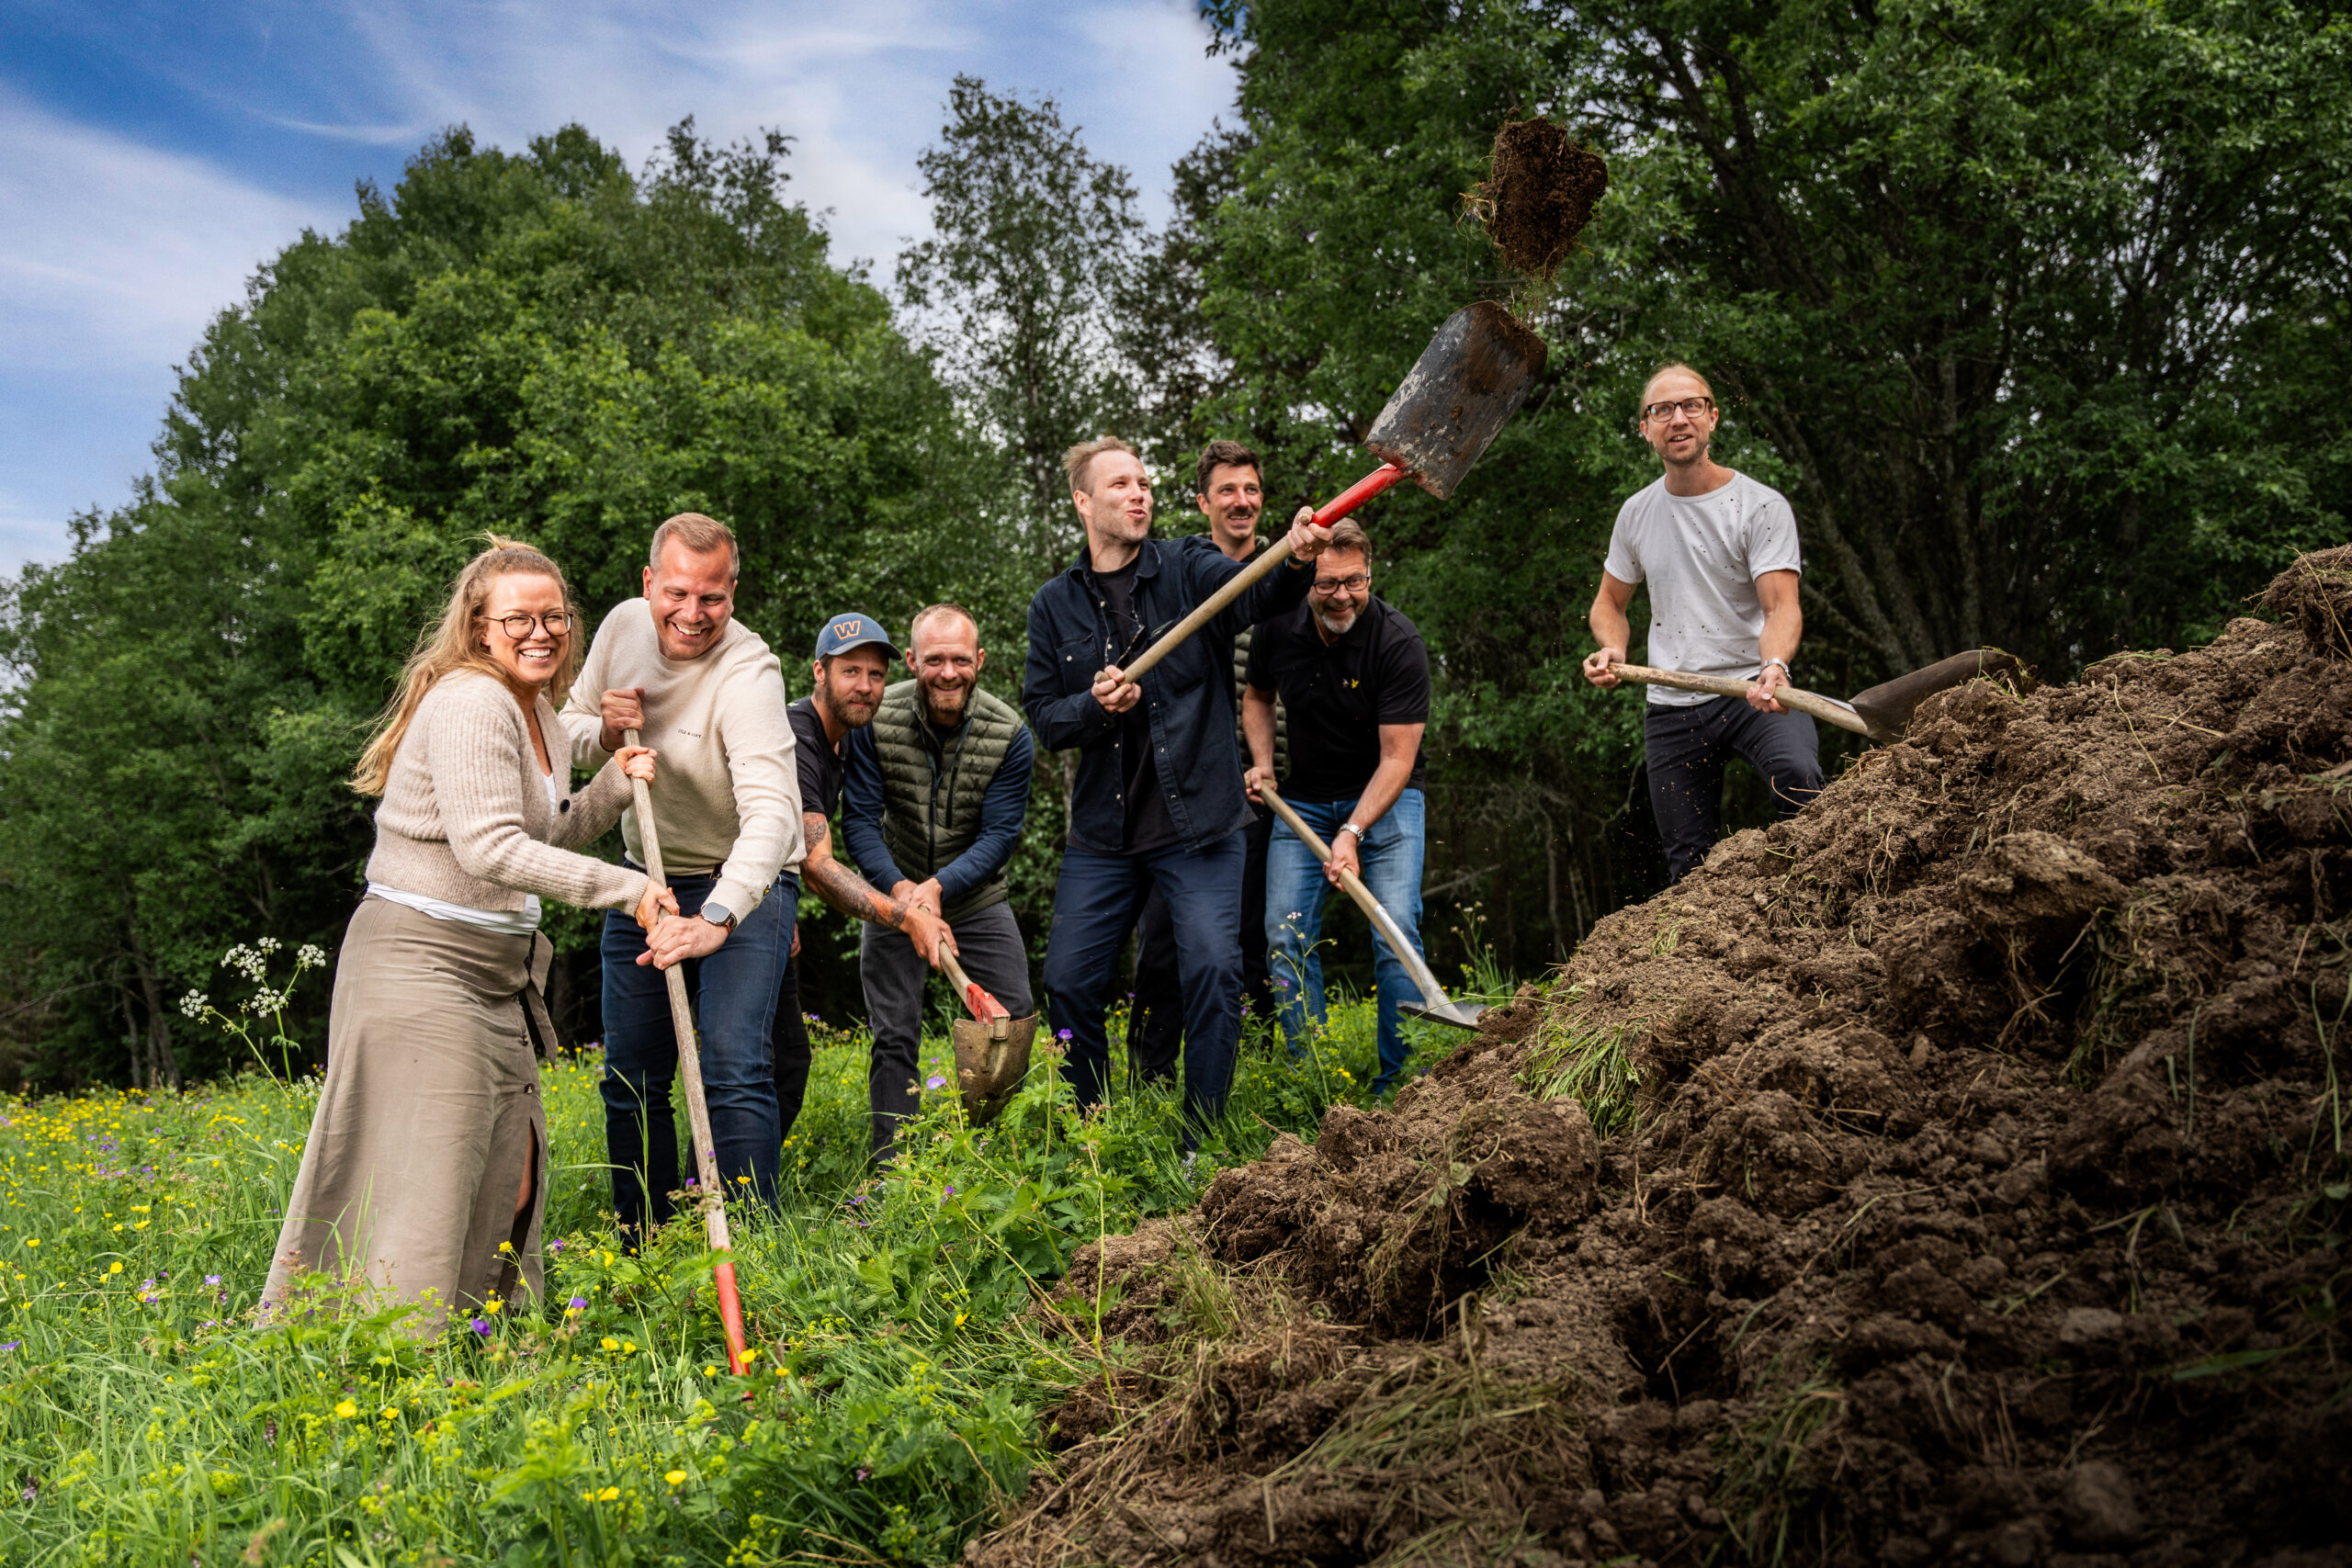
543 344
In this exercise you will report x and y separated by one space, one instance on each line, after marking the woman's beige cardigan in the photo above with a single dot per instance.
465 816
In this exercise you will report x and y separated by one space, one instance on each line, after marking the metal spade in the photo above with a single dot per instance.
1444 415
991 1047
1882 713
1434 1003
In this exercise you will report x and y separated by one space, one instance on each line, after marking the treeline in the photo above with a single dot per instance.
2036 312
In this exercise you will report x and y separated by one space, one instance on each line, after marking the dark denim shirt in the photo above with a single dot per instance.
1188 696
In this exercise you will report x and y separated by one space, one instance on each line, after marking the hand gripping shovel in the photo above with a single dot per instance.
1434 1003
1882 713
1458 396
682 1020
991 1047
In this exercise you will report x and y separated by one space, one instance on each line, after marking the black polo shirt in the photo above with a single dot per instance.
1337 694
820 765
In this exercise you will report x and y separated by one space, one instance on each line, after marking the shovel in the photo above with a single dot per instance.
1882 713
991 1047
681 1021
1434 1003
1457 399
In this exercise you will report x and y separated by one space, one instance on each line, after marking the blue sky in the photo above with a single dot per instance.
156 154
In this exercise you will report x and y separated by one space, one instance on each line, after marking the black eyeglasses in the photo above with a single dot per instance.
518 626
1327 586
1693 407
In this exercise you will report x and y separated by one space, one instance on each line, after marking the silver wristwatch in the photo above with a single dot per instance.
1350 828
719 915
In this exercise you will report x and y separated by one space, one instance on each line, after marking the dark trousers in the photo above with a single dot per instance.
733 992
1687 747
789 1050
988 945
1156 1019
1095 905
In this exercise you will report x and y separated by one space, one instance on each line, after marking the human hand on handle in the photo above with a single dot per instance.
622 709
653 903
1257 776
680 937
1306 536
1597 663
1344 856
1769 678
930 935
1113 691
637 761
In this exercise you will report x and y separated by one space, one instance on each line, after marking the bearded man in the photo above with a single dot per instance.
1354 675
935 789
851 666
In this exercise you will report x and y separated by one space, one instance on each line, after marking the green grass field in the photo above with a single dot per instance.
145 1419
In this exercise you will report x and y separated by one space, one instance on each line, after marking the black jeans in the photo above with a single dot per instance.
1155 1018
1687 749
789 1048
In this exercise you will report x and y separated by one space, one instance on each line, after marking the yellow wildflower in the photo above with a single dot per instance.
346 1410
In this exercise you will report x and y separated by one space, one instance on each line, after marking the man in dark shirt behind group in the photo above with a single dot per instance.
853 664
1354 676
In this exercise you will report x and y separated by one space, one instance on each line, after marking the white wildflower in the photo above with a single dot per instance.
194 1003
311 955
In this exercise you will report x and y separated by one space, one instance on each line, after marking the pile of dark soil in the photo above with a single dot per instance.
1954 1173
1539 194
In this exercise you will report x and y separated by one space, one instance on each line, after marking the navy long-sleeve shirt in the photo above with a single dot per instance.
1002 810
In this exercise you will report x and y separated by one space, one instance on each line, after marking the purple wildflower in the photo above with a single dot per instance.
860 1472
555 1248
480 1325
950 1190
935 1081
578 1303
11 1345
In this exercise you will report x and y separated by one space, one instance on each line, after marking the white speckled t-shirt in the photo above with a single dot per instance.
1702 555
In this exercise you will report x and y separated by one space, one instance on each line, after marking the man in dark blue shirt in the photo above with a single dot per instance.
1158 799
935 790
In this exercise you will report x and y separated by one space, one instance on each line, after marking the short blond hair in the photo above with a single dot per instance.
700 535
1669 368
1081 457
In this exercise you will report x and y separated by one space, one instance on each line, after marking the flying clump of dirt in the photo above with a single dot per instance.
1953 1173
1538 196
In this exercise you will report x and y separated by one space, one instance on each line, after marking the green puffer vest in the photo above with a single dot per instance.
931 793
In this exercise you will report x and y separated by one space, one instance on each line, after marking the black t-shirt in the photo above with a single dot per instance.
1149 826
1337 695
820 765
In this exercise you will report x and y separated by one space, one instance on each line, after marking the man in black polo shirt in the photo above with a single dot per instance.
852 667
1354 676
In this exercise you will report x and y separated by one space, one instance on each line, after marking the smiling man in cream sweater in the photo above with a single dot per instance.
708 696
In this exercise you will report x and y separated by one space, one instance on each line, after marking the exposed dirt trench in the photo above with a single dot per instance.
1969 1187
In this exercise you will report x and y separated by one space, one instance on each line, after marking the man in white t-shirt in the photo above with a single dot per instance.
1719 551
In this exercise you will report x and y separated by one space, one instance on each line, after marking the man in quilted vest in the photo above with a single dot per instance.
933 794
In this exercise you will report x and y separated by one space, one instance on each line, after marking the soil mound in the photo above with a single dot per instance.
1954 1173
1539 194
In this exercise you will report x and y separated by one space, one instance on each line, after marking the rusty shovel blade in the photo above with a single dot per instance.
991 1061
1458 396
1886 707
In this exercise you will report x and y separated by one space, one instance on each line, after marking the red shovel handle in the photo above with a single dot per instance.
1356 495
985 1008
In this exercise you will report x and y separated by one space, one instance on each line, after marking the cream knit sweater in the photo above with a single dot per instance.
465 816
728 795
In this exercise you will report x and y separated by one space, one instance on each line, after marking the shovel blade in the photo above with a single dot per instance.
1462 1015
1887 707
991 1062
1458 396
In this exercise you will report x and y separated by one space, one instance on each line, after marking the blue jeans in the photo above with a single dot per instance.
1095 906
733 991
1295 889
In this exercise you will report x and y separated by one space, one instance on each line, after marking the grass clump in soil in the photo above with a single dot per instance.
1953 1173
144 1419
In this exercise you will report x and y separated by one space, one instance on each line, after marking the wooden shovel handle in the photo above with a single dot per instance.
1432 994
1208 609
984 1007
682 1023
1829 710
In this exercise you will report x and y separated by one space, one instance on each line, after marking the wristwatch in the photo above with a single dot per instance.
1350 828
1785 671
719 915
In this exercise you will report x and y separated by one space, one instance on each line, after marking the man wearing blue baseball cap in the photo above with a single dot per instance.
853 664
936 791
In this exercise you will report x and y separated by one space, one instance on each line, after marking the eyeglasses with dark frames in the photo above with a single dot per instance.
1693 407
1327 586
518 626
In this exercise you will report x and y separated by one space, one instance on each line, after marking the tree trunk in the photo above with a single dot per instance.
162 1065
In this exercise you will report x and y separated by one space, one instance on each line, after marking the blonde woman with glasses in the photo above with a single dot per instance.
423 1179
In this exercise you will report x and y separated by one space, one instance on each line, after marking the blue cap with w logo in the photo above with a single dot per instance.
845 632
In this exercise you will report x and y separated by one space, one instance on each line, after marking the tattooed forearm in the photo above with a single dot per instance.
842 888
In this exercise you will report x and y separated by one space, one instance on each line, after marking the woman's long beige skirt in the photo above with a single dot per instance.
428 1119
